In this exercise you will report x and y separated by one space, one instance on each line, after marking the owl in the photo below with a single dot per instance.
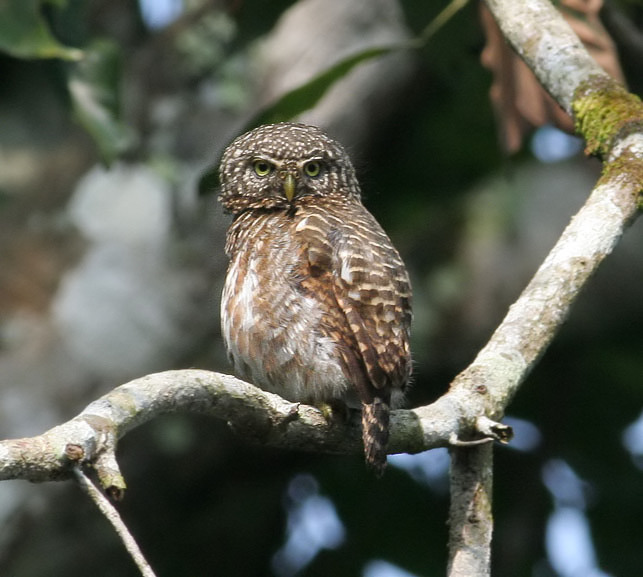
316 305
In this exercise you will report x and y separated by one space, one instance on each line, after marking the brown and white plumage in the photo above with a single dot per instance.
317 302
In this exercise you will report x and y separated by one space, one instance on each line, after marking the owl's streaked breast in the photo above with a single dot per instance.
263 327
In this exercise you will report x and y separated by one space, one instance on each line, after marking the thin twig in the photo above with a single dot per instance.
441 20
107 509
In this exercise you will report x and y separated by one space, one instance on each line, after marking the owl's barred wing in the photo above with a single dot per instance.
353 262
374 293
319 234
372 290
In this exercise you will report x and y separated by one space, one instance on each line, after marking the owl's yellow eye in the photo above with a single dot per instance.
312 168
262 167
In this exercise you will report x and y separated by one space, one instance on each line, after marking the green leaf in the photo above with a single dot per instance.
94 85
24 33
307 95
299 100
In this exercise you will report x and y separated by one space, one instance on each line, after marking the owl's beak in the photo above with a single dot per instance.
289 185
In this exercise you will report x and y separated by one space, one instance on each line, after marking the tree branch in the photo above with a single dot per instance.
470 514
611 121
604 112
254 414
111 514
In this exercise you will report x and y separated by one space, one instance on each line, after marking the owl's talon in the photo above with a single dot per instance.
327 411
334 412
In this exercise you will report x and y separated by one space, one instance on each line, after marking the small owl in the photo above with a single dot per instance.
316 304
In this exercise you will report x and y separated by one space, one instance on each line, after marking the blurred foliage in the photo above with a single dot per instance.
94 86
201 501
25 33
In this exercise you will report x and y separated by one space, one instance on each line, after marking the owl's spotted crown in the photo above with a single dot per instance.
276 165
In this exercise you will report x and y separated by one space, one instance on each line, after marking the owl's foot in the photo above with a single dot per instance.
335 411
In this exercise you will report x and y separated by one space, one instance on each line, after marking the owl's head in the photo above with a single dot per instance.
277 165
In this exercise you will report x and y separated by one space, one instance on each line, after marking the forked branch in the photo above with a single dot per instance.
611 121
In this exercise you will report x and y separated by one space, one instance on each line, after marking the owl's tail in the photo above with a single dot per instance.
375 423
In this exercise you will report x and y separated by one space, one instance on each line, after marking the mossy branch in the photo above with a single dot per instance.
605 113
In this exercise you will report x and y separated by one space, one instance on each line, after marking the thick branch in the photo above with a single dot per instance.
611 121
552 50
259 416
470 515
534 319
